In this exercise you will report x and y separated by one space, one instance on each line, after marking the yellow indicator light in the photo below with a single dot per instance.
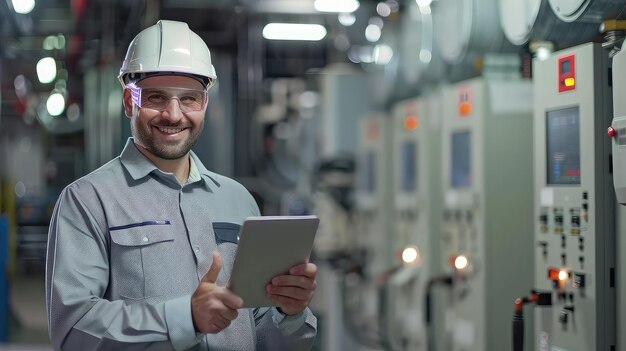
460 262
410 255
563 275
411 122
570 82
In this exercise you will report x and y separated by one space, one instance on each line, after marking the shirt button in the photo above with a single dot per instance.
197 249
145 239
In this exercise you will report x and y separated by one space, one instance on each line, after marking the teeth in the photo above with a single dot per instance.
170 130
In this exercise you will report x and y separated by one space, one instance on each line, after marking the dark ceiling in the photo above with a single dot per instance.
97 32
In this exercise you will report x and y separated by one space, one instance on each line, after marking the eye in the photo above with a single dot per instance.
191 98
156 97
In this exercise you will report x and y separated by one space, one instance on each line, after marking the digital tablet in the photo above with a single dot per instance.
269 246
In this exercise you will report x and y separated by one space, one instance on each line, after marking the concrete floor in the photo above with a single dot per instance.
28 328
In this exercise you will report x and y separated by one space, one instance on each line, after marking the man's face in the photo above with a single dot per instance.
170 133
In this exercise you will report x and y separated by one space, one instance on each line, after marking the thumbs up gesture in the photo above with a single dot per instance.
213 307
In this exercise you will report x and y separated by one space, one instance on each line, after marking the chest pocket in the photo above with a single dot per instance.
140 255
226 232
227 239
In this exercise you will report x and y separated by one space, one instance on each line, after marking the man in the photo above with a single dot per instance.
141 249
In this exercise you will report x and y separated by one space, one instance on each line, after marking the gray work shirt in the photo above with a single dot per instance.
127 248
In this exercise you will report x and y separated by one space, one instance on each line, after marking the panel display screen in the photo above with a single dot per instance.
565 67
563 146
408 173
369 172
461 160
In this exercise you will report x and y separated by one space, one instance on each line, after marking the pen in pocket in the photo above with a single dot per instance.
140 224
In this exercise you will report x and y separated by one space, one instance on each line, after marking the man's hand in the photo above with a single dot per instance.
213 307
293 292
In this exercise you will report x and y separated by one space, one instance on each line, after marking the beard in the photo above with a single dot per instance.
168 150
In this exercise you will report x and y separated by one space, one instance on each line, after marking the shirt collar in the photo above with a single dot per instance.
208 176
139 166
134 161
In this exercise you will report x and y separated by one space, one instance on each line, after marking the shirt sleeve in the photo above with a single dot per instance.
77 277
277 331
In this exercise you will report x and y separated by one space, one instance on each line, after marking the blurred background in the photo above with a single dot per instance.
465 156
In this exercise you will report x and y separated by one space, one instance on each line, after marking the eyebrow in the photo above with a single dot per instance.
162 90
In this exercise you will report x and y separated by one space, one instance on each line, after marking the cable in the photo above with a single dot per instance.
537 298
445 280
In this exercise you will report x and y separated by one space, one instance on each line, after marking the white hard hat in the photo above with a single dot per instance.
167 47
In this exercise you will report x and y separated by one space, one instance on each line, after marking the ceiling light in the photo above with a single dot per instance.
423 3
383 9
294 31
46 70
346 19
372 33
425 55
336 5
55 104
366 54
23 6
382 54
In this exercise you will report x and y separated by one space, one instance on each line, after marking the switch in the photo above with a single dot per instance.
544 247
585 195
581 245
563 317
579 280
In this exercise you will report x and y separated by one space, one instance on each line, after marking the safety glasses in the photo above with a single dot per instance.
189 100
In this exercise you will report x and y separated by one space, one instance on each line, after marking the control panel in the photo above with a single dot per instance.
574 201
487 214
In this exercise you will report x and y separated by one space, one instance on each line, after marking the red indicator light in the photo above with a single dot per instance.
611 132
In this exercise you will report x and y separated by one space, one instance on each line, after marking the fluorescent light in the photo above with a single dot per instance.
294 31
23 6
336 5
46 70
423 3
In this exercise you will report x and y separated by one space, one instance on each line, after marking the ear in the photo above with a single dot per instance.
128 103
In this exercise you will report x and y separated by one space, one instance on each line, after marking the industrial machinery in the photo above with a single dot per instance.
617 132
487 218
574 222
416 129
371 234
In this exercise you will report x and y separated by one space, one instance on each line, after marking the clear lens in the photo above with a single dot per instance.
189 100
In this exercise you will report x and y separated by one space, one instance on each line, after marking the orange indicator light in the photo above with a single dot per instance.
411 122
465 109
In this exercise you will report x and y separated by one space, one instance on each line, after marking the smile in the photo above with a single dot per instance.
170 130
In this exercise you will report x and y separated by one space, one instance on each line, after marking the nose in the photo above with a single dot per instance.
172 111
